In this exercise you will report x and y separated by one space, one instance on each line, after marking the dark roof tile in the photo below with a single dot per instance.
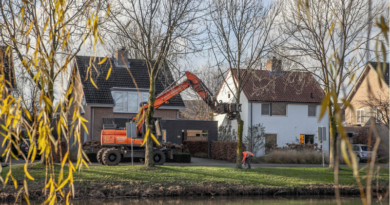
119 77
288 86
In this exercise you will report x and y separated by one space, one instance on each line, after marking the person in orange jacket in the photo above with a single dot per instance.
246 158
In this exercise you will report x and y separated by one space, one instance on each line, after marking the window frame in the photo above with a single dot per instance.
269 109
285 109
361 116
315 110
138 94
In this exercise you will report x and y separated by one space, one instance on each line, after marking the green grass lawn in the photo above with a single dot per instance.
175 175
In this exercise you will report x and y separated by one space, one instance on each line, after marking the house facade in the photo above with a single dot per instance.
369 96
117 98
286 103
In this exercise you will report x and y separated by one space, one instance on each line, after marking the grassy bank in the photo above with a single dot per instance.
171 175
138 181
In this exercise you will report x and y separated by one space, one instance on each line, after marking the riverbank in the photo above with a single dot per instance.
138 181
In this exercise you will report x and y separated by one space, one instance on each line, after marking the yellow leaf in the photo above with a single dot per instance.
85 127
26 198
64 159
63 184
27 174
154 139
344 152
15 182
330 31
27 113
93 83
47 100
108 10
102 61
28 31
108 73
324 105
48 183
146 137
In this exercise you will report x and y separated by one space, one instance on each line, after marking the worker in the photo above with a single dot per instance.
246 158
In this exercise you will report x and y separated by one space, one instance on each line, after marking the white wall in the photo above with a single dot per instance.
289 127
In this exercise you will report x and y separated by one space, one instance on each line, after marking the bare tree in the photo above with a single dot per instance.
157 31
379 105
255 140
226 134
328 33
240 33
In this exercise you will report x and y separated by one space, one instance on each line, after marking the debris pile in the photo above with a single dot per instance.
57 157
170 145
92 146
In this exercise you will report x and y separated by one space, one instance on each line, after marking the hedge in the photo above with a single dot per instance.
225 150
197 146
182 157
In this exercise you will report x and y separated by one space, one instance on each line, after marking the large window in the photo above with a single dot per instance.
360 116
274 109
312 110
128 101
378 115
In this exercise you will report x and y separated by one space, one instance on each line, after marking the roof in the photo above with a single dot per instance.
386 74
119 78
8 67
287 86
362 75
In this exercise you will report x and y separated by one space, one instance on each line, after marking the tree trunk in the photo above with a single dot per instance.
240 124
149 124
332 140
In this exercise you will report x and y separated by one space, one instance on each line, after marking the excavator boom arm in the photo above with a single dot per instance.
192 81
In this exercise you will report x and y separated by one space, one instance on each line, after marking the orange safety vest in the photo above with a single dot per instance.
245 155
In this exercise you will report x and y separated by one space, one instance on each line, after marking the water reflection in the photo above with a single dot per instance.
224 200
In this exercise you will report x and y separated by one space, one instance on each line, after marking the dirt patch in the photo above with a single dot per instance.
136 190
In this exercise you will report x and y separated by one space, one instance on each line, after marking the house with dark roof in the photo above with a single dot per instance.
116 100
286 103
368 96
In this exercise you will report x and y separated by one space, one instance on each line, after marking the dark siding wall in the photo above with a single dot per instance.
174 129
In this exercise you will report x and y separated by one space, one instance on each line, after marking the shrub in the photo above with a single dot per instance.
182 157
196 146
362 137
296 157
56 155
201 155
225 150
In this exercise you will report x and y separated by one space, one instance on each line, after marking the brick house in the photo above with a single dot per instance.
7 68
363 97
287 103
118 98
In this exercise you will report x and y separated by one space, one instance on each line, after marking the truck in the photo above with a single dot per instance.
123 143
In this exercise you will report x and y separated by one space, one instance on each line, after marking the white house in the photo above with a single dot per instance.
287 103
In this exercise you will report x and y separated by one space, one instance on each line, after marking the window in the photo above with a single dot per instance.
197 134
356 148
129 102
270 142
265 109
309 139
360 116
273 109
378 115
312 110
278 108
229 95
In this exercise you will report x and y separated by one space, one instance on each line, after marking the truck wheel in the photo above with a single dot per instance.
158 157
111 157
99 155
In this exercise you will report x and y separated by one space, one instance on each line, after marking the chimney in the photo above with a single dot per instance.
121 57
274 65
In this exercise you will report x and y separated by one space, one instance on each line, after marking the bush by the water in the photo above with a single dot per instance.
182 157
296 157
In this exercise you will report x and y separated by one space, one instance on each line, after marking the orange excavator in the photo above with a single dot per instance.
119 143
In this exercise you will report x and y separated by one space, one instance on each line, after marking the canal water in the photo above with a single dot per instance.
220 200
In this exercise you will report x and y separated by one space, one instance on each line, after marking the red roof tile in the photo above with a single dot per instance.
288 86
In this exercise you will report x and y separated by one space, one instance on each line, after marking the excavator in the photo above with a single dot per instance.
124 143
